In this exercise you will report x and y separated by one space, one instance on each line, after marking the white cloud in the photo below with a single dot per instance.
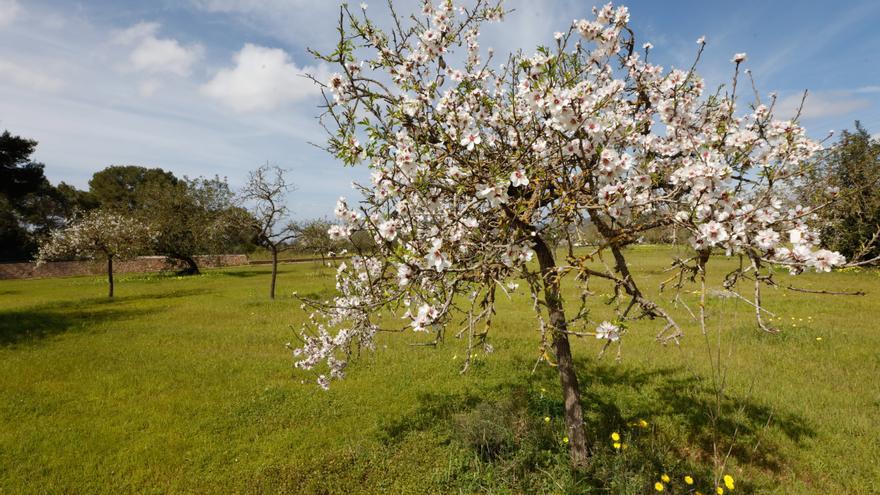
153 55
9 10
27 78
821 104
137 32
262 79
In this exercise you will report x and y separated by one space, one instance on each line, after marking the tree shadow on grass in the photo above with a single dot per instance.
30 325
156 296
241 273
509 421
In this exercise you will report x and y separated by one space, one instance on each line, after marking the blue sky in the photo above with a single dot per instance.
203 87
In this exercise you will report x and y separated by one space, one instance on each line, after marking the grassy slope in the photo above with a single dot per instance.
184 385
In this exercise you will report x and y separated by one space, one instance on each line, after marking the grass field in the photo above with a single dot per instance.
184 385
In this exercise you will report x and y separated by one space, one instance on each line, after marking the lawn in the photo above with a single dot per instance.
184 384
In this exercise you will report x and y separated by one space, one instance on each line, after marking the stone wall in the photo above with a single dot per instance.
141 264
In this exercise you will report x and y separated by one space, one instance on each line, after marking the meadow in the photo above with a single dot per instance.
184 385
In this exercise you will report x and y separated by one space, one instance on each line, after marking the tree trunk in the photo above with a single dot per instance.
571 393
274 272
191 268
110 274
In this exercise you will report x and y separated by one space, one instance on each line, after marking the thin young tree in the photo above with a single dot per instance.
475 165
267 190
99 234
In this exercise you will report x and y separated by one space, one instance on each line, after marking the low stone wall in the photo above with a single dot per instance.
141 264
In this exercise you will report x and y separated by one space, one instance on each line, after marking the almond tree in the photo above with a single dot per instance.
474 164
99 234
267 190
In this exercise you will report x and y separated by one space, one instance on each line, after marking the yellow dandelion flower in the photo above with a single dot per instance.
643 423
546 419
818 338
564 439
615 436
728 481
658 486
719 491
617 445
688 480
665 478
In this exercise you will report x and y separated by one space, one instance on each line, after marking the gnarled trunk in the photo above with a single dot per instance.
571 393
191 267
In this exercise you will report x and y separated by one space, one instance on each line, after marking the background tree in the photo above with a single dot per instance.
471 167
122 187
266 189
852 168
30 207
192 217
99 234
313 238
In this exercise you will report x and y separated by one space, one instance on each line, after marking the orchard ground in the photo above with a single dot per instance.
183 384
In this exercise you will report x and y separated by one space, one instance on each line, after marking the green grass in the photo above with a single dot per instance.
184 385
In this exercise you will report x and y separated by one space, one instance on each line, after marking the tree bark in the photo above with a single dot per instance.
274 272
110 274
571 393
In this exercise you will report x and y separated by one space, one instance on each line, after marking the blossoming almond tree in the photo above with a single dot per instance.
99 234
475 164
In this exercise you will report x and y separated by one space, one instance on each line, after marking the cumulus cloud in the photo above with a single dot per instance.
154 55
261 79
28 78
821 104
9 10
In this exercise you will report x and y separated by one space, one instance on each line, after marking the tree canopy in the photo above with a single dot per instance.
30 207
474 164
851 223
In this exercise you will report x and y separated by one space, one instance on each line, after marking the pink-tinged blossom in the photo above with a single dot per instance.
471 139
388 230
608 331
767 239
436 258
823 260
338 232
424 317
714 233
496 195
404 275
518 178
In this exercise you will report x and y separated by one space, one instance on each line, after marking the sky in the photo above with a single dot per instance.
205 87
